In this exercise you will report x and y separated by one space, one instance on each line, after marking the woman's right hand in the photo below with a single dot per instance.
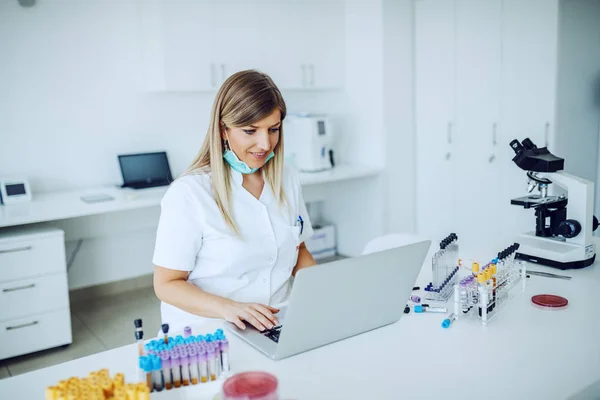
258 315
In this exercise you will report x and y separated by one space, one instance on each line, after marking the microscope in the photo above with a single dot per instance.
560 240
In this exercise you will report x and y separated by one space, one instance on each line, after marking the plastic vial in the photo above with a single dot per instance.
463 297
225 354
166 369
203 366
193 366
212 364
175 369
184 360
187 332
156 373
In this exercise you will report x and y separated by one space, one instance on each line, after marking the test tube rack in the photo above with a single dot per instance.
98 385
483 293
444 269
175 362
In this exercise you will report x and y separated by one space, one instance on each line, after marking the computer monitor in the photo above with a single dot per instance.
144 170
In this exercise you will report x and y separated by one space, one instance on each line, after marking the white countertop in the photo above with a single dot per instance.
53 206
524 353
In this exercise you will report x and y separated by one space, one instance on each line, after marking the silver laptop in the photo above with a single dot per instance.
341 299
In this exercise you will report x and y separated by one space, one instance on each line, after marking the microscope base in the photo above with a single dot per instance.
555 253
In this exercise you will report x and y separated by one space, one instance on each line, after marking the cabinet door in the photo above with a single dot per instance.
187 35
478 66
325 44
529 59
435 116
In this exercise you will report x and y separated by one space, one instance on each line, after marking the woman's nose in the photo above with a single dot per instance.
263 141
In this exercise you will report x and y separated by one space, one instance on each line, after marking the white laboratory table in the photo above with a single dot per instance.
54 206
524 353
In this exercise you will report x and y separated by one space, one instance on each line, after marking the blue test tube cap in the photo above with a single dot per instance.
156 363
179 338
419 308
220 332
209 338
446 323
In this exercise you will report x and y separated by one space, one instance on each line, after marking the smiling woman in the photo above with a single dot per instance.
232 228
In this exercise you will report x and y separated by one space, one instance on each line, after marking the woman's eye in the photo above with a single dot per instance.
249 131
275 130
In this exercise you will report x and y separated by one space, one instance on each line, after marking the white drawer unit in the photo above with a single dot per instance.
31 252
34 291
33 296
35 332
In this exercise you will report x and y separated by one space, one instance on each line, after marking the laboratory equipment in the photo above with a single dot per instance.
166 369
444 269
97 385
415 299
185 366
486 289
14 190
422 308
549 301
165 331
561 240
308 142
187 332
448 321
548 275
157 377
250 386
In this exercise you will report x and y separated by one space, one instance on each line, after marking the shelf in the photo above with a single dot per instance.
339 173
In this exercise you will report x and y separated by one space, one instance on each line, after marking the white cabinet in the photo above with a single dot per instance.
33 281
485 73
435 115
195 46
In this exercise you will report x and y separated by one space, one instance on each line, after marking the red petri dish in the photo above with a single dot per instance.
250 386
549 301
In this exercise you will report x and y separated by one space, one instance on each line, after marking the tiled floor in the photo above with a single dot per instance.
99 324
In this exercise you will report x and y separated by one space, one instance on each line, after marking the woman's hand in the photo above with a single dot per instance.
258 315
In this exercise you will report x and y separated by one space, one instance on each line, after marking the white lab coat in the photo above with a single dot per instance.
255 267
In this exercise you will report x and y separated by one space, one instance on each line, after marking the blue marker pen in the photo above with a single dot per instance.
301 221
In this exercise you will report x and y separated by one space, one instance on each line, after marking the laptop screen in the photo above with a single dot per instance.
145 167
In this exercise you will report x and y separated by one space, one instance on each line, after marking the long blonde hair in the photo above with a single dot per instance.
244 98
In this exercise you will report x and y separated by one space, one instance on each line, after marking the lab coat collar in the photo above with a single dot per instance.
266 197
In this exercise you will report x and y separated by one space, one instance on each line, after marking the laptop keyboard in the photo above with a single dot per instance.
273 333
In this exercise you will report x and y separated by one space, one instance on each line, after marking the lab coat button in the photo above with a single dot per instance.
264 280
271 259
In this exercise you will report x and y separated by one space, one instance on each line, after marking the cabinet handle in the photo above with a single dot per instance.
213 76
494 133
546 133
223 73
12 328
312 75
16 249
19 288
303 67
449 133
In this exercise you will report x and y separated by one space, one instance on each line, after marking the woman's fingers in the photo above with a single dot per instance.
272 309
238 322
253 321
262 318
266 311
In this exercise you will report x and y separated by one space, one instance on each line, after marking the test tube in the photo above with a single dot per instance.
193 356
225 354
165 330
139 336
187 332
217 347
156 373
166 369
212 363
185 366
463 297
175 368
146 365
203 365
481 289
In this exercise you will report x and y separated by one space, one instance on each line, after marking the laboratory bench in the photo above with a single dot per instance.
524 352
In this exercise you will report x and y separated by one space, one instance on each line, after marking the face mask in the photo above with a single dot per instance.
235 162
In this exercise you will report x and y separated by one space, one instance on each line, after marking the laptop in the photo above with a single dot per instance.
145 170
337 300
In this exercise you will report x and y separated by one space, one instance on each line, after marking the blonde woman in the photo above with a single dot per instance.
232 228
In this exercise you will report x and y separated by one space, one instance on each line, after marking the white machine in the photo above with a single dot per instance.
308 142
558 241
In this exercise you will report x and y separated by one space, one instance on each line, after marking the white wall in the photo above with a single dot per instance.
72 98
578 100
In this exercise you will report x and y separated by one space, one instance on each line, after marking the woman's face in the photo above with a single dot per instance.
252 144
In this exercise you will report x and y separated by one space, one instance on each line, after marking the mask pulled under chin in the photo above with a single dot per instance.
240 166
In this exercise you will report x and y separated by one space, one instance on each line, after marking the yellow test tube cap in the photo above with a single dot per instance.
488 274
494 269
481 278
475 267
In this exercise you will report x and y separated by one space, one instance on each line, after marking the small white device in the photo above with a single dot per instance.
14 190
322 243
308 142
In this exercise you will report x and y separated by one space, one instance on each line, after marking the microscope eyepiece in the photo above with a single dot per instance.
516 146
528 144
